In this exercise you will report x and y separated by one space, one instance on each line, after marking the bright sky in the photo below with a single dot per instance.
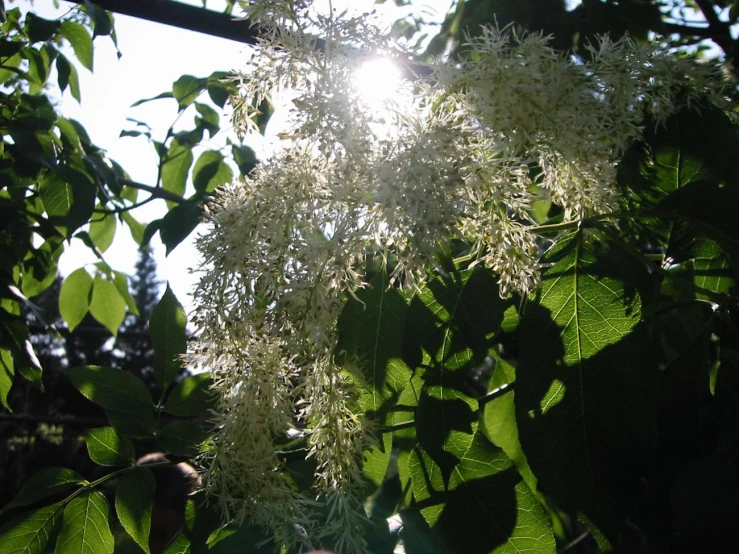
153 57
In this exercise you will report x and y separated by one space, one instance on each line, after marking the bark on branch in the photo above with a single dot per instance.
176 14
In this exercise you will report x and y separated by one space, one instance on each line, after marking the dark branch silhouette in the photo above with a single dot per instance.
169 12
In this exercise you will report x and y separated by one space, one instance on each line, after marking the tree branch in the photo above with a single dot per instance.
169 12
154 191
59 420
720 31
686 30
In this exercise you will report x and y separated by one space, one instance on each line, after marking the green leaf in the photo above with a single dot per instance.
121 284
701 260
487 495
136 227
446 421
67 77
249 534
210 171
85 528
10 67
107 305
39 64
7 370
151 230
102 21
181 438
14 336
219 88
186 89
135 424
44 483
81 42
56 195
376 459
688 174
39 29
68 196
102 230
201 519
122 394
179 222
134 499
159 96
175 168
499 417
245 158
709 205
179 545
583 384
108 447
74 297
192 396
404 437
693 146
111 388
446 325
209 118
40 267
130 133
370 329
69 135
30 533
169 336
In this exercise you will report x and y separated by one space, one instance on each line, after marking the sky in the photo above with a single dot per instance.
153 57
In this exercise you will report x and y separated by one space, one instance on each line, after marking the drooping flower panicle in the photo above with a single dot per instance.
461 155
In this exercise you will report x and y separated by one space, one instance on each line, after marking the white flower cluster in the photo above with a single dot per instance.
463 159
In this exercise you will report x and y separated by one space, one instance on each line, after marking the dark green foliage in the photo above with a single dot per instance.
599 414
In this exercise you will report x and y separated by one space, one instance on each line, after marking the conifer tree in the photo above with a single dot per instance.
133 350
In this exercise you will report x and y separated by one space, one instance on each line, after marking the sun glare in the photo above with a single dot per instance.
378 81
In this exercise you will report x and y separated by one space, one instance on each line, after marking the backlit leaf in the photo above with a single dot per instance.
181 438
135 226
85 528
487 494
7 370
168 335
56 195
107 305
121 284
583 384
119 393
177 225
175 168
81 42
44 483
74 297
192 396
186 89
108 447
370 334
210 171
30 533
499 417
445 325
102 230
134 499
